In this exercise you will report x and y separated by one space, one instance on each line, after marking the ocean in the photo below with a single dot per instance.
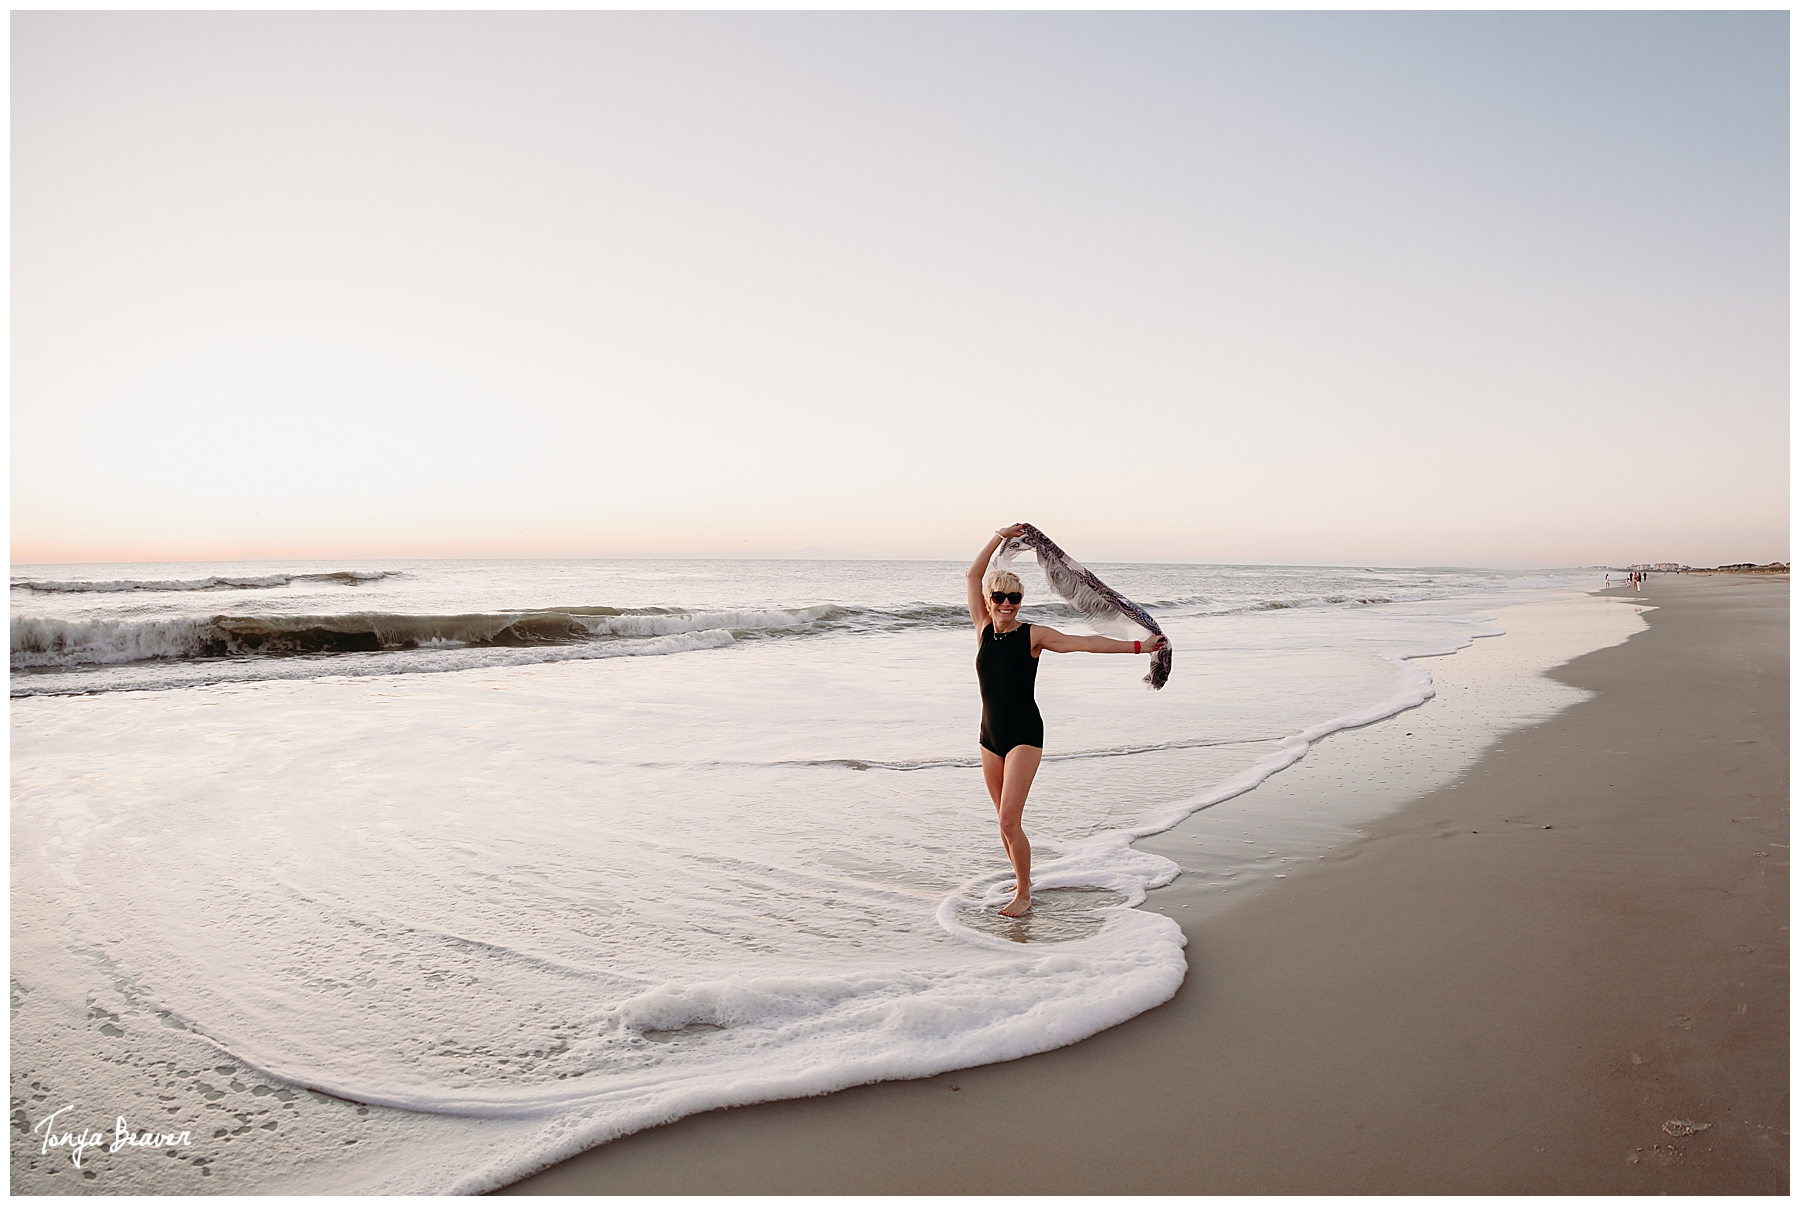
414 876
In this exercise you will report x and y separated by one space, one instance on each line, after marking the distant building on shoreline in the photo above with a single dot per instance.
1670 567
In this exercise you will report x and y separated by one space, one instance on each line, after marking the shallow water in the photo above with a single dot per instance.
345 914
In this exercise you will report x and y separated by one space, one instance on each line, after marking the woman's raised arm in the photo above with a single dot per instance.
978 611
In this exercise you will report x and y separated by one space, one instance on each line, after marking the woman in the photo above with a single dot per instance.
1012 732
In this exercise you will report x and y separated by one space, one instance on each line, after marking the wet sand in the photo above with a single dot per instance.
1564 973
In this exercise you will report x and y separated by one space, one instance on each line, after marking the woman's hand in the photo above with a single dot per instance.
1017 529
1159 641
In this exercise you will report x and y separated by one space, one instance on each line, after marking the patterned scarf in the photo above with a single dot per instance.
1105 608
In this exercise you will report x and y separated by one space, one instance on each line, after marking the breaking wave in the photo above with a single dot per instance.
43 643
53 586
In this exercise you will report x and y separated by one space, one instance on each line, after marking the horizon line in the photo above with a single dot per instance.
818 554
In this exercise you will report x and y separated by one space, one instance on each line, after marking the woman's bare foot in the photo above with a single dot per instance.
1021 903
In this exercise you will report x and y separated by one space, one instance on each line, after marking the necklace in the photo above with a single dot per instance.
998 634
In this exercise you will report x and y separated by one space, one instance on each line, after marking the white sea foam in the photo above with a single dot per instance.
587 887
432 657
51 642
749 621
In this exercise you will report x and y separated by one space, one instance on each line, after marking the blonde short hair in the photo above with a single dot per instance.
1004 580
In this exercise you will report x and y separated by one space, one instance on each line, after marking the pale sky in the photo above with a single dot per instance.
1469 288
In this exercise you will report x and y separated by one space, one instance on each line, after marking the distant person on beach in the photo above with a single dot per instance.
1012 731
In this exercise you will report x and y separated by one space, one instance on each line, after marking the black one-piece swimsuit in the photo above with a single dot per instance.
1008 674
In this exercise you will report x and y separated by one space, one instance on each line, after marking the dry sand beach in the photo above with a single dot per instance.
1566 972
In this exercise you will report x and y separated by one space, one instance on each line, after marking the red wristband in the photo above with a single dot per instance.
1137 646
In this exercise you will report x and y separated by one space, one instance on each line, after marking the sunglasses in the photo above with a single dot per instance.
1015 597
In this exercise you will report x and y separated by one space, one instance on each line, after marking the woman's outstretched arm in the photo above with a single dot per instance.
1062 642
978 610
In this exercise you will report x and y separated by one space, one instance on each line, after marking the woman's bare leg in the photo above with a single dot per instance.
993 771
1008 784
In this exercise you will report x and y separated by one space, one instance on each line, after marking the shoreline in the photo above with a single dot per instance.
1460 1000
1316 808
